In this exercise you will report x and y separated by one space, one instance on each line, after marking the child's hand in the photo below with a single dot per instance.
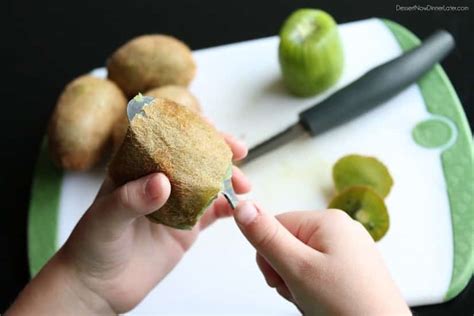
321 261
115 255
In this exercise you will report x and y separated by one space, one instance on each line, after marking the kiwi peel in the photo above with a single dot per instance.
363 204
178 94
170 138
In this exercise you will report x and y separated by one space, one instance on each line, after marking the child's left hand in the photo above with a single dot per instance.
115 255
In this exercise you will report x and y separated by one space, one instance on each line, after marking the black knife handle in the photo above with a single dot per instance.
377 85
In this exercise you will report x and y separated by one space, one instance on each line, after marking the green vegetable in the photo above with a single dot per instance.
366 206
310 52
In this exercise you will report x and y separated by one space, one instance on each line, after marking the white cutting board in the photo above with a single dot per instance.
240 89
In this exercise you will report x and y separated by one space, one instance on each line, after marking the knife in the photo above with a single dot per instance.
367 92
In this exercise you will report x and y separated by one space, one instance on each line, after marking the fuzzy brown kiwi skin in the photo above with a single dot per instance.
178 142
80 127
178 94
150 61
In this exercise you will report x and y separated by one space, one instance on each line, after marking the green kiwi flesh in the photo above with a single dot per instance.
362 170
364 205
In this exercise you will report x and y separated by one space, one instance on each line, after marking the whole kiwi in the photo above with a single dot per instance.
150 61
80 127
170 138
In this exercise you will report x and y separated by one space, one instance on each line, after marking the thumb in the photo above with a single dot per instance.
134 199
271 239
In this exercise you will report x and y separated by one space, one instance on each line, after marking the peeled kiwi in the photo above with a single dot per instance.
150 61
310 52
177 94
80 128
362 170
170 138
363 204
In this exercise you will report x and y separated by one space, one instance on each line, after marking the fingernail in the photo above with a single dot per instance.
245 213
153 187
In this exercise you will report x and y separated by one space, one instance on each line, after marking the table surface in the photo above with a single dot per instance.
48 44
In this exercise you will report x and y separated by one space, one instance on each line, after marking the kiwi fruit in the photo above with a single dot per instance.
310 52
364 205
150 61
170 138
362 170
177 94
80 127
119 130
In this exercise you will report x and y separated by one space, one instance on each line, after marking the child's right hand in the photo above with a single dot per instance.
321 261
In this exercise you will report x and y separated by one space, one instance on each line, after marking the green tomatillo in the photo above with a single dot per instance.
310 52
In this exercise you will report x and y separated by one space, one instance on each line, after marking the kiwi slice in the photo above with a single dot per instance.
171 138
365 206
310 52
362 170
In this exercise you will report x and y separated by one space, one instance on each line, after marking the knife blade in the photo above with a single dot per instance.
365 93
